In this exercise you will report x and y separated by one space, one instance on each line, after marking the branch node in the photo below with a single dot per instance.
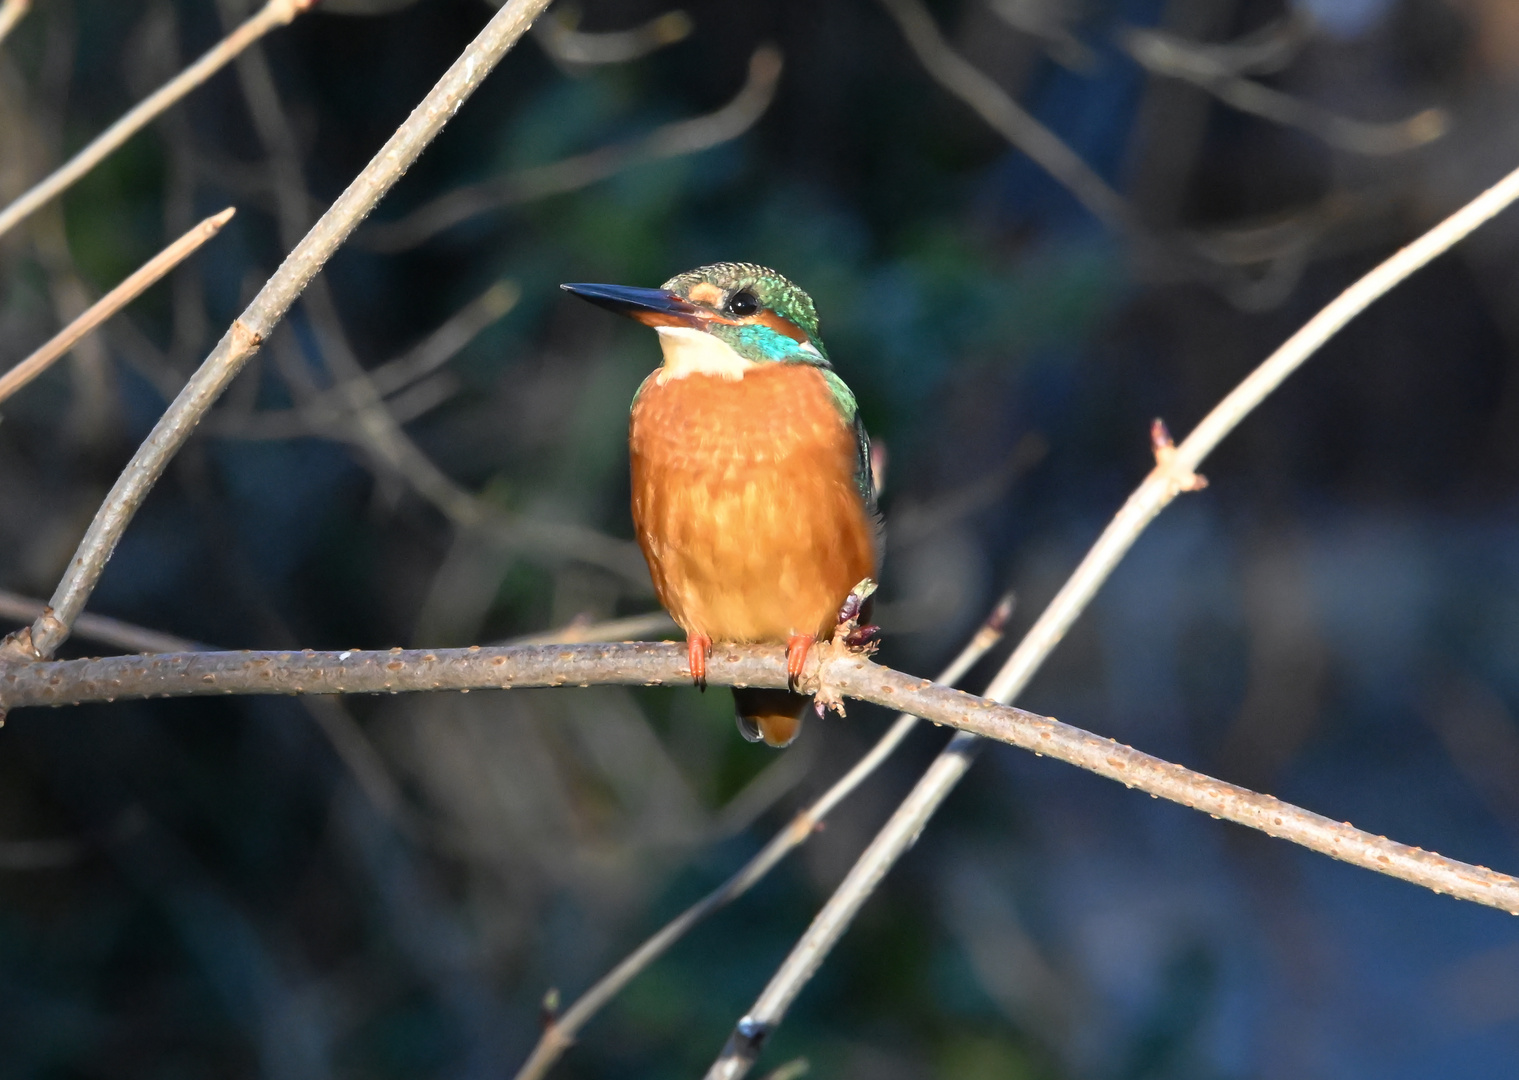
1165 455
850 640
244 339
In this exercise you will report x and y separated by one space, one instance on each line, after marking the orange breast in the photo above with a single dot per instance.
745 503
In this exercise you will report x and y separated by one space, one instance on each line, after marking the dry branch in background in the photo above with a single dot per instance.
245 335
559 1033
107 631
67 682
321 411
112 302
675 139
1173 474
577 49
274 14
1175 58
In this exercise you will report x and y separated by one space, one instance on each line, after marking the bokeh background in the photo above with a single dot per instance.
387 888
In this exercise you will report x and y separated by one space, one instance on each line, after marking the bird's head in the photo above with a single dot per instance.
720 319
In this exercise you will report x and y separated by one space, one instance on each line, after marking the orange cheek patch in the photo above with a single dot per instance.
706 293
779 325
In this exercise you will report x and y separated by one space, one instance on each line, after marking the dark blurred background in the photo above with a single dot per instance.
387 888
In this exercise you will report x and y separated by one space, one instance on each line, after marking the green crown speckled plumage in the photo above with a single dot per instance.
773 290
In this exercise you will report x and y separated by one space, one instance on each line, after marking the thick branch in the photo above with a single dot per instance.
68 682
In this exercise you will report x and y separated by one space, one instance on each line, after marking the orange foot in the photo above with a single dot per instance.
797 646
698 648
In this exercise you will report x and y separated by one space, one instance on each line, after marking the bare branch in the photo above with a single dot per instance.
70 682
634 627
972 86
12 12
559 1035
1165 255
112 302
576 48
273 14
1175 58
268 307
1174 473
101 628
573 173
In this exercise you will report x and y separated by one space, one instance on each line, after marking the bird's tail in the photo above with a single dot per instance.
774 716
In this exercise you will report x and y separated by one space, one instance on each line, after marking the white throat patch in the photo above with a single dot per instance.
696 352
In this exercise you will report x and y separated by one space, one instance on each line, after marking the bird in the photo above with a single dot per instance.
752 494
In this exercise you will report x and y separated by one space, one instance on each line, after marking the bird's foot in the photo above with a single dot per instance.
698 648
850 638
797 647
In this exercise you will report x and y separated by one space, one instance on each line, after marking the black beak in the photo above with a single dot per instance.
652 307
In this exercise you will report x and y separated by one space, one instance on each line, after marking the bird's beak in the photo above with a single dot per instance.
652 307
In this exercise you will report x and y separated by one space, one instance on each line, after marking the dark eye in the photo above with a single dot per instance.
744 304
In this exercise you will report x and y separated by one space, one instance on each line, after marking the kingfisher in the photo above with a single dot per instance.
753 501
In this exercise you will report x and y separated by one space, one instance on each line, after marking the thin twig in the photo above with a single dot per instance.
1173 57
1166 256
274 14
675 139
12 12
102 628
1173 474
560 1034
112 302
1014 123
242 339
632 628
576 48
648 663
323 409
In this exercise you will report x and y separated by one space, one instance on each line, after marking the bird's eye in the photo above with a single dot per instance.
743 304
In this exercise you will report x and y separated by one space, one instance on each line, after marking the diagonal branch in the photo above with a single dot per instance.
112 302
70 682
273 14
560 1034
1173 474
243 338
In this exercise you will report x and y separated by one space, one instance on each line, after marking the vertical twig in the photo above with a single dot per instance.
242 339
273 14
1173 474
112 302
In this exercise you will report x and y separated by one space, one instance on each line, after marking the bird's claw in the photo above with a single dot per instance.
698 648
797 647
